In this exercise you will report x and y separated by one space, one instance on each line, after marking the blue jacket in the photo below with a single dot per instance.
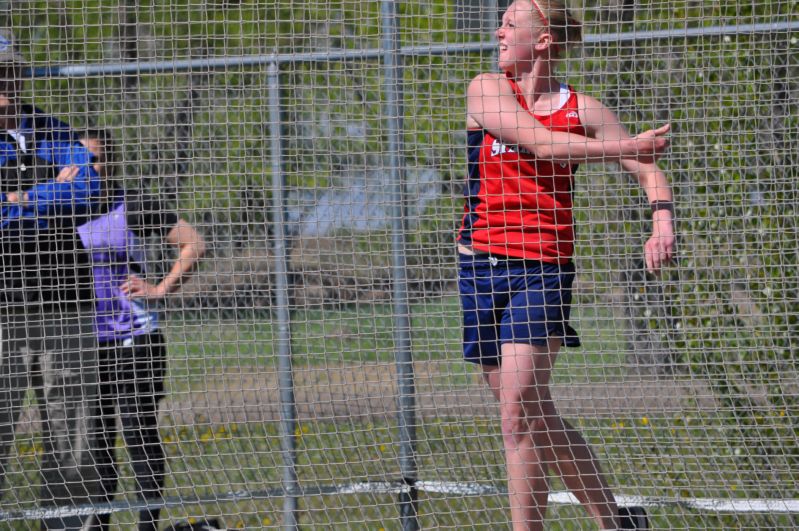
55 144
40 257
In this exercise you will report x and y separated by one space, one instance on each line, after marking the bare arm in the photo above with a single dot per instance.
191 247
492 105
601 123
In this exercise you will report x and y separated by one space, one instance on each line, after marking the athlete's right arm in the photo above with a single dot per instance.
191 247
492 105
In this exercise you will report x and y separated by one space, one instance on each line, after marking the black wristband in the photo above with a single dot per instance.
659 204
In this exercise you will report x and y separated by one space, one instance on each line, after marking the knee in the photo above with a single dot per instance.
548 429
515 428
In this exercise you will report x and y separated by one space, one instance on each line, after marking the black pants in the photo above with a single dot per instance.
132 379
51 349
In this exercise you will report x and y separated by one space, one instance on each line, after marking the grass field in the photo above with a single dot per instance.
364 334
657 455
247 457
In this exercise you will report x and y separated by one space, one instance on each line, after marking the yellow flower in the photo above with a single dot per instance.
266 521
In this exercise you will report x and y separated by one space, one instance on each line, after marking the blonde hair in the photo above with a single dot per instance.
558 19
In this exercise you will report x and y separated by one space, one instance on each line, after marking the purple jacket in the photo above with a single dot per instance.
114 251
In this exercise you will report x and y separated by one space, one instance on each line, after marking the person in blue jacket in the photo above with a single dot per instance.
46 339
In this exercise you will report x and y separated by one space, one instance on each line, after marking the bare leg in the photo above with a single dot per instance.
529 417
528 487
577 466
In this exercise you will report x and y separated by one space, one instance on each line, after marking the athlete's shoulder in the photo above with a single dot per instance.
490 83
595 116
488 76
586 102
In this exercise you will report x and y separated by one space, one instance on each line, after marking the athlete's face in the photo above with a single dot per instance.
517 36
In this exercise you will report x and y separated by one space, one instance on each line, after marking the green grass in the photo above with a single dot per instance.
674 453
364 334
669 457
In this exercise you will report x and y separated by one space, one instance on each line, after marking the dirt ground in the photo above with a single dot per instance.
368 392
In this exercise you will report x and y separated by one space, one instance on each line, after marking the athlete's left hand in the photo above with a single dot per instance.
659 248
137 288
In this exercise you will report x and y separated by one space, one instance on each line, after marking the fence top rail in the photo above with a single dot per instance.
222 63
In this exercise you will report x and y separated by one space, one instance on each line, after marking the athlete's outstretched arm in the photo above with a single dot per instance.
603 124
492 105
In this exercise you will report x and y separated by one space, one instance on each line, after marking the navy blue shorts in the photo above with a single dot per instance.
513 301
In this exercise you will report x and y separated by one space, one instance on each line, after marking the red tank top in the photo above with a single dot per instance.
515 205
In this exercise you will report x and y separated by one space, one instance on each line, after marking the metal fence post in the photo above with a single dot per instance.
288 407
406 401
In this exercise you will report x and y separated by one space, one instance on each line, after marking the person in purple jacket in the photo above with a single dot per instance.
132 352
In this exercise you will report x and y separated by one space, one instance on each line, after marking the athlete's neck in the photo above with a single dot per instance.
538 82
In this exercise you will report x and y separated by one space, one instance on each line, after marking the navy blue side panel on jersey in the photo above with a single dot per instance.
471 188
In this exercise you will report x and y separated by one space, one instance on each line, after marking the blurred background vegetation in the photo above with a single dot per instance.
727 313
